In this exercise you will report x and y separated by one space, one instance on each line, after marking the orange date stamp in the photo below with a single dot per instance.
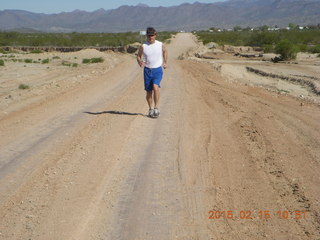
262 214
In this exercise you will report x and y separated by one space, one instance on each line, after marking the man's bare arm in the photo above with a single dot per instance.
139 57
165 56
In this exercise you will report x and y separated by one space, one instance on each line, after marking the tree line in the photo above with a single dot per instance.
73 39
291 41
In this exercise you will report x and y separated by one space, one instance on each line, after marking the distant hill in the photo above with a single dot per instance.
183 17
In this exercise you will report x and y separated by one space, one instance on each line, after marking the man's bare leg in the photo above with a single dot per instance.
156 95
149 99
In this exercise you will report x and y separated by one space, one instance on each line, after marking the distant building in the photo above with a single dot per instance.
274 29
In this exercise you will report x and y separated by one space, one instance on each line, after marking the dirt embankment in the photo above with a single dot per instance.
245 65
311 82
225 160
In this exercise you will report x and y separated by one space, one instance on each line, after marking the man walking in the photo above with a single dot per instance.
152 56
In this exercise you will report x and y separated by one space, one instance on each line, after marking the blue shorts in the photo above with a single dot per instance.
152 76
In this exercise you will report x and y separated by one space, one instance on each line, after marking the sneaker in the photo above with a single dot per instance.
151 112
156 112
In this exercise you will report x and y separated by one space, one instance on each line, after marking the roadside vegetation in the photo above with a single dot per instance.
92 60
73 39
45 61
23 86
282 41
11 58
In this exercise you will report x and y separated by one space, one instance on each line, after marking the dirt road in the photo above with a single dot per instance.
223 161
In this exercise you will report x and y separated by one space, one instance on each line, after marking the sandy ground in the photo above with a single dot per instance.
225 160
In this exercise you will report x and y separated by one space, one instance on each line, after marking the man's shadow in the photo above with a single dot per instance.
116 112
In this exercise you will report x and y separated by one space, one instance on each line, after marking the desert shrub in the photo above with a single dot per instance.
56 57
287 50
97 60
315 49
74 39
268 48
260 37
45 61
1 62
86 60
302 47
66 64
92 60
28 60
23 86
36 51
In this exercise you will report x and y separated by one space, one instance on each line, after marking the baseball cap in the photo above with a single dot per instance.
151 31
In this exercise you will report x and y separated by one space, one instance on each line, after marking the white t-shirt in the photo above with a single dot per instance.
152 54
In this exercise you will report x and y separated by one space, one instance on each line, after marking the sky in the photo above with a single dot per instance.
57 6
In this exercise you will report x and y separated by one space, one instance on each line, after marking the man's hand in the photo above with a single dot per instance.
164 65
141 63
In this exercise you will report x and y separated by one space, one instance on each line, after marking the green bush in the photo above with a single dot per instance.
1 62
28 60
66 64
268 48
302 48
92 60
287 50
86 60
36 51
44 61
23 86
97 60
315 49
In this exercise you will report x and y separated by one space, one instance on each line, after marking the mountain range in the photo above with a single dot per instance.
185 17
